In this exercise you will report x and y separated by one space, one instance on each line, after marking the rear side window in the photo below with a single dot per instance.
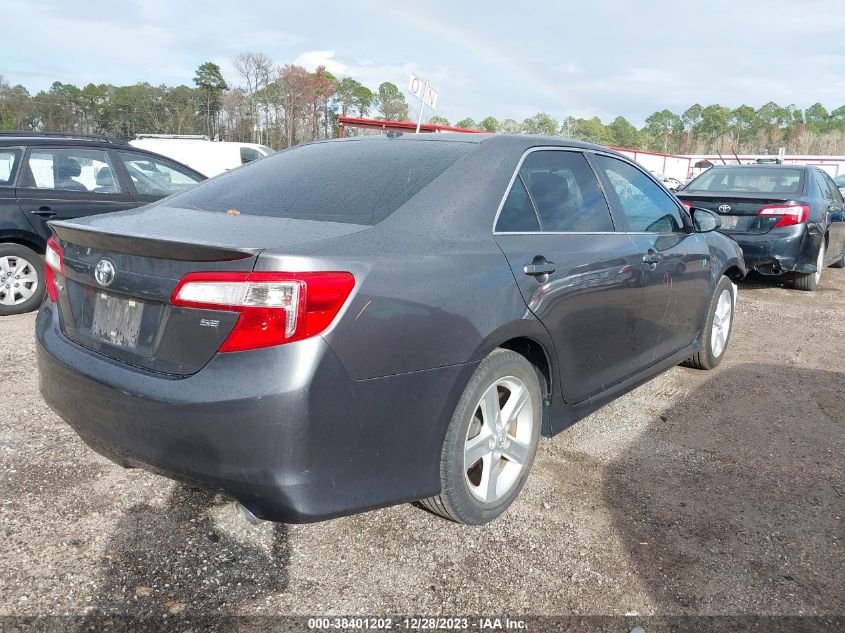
646 206
69 169
565 196
518 214
354 182
9 159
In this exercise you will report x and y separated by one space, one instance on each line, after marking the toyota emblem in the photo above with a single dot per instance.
724 208
104 272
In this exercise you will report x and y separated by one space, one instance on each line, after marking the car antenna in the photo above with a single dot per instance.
721 157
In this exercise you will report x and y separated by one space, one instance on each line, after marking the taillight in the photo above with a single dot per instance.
275 308
688 205
54 263
790 214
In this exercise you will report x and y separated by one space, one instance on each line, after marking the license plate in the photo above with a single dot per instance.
117 320
729 221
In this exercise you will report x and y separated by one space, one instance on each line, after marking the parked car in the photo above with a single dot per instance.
788 219
53 176
357 323
207 157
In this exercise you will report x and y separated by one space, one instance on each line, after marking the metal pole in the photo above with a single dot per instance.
422 107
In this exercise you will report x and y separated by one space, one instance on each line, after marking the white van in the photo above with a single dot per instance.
206 156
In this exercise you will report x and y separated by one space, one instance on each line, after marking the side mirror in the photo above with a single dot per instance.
704 220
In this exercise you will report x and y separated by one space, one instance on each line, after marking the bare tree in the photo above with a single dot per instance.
255 69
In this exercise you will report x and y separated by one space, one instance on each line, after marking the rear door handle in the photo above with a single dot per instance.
535 270
44 212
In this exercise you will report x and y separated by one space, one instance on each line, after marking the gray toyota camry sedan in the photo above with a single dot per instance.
352 324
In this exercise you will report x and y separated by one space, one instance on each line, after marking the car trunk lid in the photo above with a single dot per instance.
120 271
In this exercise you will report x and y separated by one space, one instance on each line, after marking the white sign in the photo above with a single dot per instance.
422 91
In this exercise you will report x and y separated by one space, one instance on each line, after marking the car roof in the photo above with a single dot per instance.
505 141
45 138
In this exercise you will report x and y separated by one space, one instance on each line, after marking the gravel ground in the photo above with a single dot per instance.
716 492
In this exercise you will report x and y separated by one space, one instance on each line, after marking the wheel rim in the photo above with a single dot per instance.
819 265
721 323
498 439
18 280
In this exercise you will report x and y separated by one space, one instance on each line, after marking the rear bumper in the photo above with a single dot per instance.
785 249
284 430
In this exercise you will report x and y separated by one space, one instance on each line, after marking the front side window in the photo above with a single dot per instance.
249 154
9 159
69 169
565 194
647 208
154 176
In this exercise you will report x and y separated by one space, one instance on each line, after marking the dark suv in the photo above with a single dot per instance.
53 176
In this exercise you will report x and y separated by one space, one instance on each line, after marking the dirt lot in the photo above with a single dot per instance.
700 493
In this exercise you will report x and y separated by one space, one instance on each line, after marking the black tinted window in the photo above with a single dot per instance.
645 205
749 180
8 165
517 213
566 192
355 182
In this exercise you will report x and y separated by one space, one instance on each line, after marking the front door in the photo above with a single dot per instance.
63 183
676 263
578 275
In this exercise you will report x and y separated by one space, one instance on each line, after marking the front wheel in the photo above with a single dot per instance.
491 440
714 337
22 282
810 281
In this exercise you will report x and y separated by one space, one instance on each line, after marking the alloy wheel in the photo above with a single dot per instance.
721 323
18 280
498 439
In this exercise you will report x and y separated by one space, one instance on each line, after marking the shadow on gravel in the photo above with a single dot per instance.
732 502
166 564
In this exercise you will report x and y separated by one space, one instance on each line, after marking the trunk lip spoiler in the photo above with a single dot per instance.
141 245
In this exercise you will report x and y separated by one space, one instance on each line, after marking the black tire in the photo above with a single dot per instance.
705 357
16 253
456 501
839 263
808 282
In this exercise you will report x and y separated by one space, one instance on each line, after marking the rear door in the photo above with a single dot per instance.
60 183
152 177
675 261
577 274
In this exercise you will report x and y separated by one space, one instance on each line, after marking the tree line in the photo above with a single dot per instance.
283 105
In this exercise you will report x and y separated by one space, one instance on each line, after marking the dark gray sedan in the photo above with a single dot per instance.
358 323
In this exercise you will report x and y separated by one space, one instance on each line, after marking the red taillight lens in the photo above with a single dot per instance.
275 308
790 214
53 263
688 205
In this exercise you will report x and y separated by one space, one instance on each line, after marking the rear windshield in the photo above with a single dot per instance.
354 182
749 180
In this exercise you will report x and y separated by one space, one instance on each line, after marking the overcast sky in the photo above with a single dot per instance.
508 59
